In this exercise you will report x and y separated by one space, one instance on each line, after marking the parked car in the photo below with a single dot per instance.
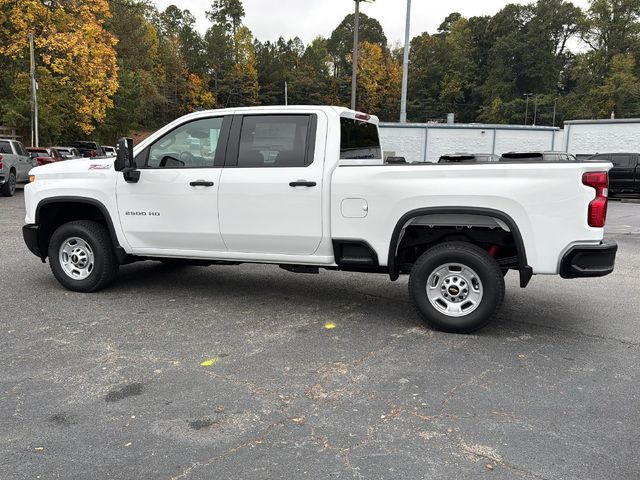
109 151
68 153
44 156
538 156
624 177
89 149
469 158
15 164
306 188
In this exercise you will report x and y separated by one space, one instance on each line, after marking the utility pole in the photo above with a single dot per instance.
35 141
555 107
405 66
526 112
286 94
354 71
535 113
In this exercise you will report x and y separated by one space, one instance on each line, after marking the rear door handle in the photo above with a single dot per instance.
201 183
302 183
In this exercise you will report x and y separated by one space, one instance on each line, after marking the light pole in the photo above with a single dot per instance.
354 72
526 111
405 66
35 140
535 112
555 108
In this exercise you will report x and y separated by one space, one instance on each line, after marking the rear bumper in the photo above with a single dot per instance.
30 235
589 260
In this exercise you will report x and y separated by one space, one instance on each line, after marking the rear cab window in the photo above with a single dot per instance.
5 147
359 140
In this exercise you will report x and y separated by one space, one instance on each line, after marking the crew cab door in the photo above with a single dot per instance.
173 208
271 186
23 161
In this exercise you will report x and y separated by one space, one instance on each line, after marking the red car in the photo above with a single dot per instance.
44 156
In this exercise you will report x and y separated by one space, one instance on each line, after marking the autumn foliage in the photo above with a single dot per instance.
76 55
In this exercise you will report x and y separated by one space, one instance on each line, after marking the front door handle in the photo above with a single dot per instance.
302 183
201 183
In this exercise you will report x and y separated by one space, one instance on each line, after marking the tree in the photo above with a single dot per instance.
240 86
140 73
449 22
340 44
227 13
621 89
75 51
180 24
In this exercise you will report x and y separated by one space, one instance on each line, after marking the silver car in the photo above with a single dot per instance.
15 164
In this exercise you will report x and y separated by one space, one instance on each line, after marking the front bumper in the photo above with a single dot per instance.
30 235
589 260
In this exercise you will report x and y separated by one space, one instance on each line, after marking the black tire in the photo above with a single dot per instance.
9 187
491 283
105 266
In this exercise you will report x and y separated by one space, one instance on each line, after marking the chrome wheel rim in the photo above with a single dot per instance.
454 289
76 258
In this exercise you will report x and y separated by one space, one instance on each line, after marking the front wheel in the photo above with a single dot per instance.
456 287
81 256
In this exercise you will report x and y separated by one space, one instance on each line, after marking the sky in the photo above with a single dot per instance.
270 19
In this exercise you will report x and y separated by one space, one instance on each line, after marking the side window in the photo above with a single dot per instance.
275 141
192 145
21 150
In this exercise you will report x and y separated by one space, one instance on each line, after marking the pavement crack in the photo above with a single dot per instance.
580 334
229 451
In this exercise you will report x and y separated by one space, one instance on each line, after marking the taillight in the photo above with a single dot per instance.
92 153
0 161
597 215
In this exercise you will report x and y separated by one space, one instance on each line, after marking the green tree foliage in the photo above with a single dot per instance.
227 13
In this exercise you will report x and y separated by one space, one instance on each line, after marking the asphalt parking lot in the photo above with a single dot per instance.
111 385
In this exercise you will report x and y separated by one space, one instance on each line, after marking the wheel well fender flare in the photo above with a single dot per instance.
86 201
525 270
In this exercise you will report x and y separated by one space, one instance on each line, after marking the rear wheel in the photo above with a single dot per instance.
81 256
9 187
456 287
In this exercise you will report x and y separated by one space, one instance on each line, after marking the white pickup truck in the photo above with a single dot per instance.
306 188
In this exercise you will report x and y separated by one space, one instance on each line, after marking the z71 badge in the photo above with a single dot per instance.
96 166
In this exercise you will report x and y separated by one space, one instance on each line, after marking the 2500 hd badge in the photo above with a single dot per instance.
142 214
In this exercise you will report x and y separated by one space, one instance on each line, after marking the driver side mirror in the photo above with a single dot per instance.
124 160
